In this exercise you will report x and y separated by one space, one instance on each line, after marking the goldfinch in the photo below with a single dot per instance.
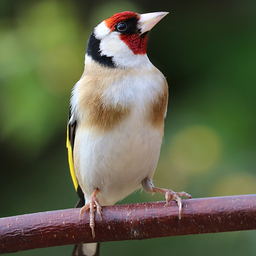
116 120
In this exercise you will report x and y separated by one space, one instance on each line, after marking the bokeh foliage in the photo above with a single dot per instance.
207 51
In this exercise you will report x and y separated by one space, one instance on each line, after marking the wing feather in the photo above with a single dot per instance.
71 128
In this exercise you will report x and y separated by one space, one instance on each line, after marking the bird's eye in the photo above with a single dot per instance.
121 26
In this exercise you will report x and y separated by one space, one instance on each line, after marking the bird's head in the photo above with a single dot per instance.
121 40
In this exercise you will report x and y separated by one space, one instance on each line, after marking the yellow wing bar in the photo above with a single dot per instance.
71 162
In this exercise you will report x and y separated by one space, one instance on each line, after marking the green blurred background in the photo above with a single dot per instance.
207 51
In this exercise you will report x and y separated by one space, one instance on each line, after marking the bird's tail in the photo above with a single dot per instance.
92 249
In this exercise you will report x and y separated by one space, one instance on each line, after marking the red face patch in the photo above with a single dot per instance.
136 42
119 17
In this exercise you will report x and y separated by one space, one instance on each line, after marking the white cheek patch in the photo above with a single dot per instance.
101 31
122 55
112 45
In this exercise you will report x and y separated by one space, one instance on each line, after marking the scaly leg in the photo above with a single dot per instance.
169 194
91 205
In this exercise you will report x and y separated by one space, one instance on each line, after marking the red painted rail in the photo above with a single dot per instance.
127 222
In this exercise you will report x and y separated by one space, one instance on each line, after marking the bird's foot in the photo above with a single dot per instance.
171 195
91 205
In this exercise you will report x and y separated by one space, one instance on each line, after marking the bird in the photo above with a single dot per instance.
116 118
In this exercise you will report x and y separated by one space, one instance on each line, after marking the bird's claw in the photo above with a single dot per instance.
171 195
91 205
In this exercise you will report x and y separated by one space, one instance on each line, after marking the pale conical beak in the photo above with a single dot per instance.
148 20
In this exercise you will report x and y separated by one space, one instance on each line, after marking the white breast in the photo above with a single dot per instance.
117 161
